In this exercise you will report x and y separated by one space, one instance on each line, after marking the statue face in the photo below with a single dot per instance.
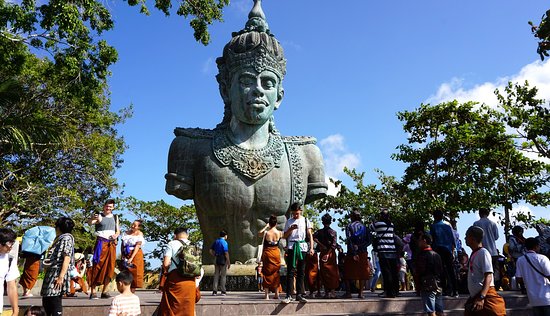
254 96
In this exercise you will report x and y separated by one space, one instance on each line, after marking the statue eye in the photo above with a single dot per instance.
268 83
246 81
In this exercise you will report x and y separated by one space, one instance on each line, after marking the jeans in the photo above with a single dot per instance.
297 270
433 302
220 273
375 275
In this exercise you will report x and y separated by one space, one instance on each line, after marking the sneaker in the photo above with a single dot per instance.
301 299
224 294
214 293
286 300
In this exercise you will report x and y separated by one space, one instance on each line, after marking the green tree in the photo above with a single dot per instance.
542 32
529 116
160 219
459 157
369 199
59 145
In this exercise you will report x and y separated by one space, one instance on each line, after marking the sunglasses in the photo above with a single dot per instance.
8 244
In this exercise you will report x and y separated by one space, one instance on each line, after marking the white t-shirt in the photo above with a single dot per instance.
172 249
537 286
127 305
7 274
478 265
132 240
299 233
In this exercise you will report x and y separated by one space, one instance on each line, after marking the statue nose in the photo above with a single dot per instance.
258 91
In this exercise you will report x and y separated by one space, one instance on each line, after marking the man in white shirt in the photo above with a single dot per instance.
297 230
8 269
534 270
490 236
484 299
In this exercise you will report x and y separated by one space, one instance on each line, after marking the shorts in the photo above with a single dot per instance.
402 275
433 302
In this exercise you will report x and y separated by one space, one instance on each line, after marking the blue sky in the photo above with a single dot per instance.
351 66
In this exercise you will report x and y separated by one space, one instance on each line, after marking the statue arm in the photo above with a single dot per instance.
179 179
316 185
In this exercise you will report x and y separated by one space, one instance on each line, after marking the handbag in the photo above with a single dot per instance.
260 250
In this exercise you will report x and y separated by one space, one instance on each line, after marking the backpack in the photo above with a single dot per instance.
361 237
190 264
37 239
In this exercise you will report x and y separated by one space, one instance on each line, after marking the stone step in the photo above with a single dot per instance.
252 303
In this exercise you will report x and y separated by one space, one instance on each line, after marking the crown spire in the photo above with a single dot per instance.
257 11
256 19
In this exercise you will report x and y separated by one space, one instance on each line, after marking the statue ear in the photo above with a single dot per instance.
280 96
224 92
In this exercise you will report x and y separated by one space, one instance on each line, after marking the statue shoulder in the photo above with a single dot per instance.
196 133
300 140
190 142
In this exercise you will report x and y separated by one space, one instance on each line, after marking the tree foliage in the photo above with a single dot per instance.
59 146
529 116
369 199
204 13
542 32
160 219
459 157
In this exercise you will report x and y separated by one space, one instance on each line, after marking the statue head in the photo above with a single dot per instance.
251 71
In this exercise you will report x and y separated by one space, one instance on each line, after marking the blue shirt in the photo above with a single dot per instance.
443 236
220 246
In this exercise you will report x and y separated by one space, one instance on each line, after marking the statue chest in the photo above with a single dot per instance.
222 189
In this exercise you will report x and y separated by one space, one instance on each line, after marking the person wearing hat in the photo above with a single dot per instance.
78 284
326 239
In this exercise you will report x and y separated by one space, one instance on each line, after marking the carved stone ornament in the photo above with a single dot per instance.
251 163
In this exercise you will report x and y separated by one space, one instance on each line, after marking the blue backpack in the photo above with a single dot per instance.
38 239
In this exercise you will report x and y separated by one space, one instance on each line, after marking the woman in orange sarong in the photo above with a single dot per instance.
312 274
271 257
132 253
30 273
326 239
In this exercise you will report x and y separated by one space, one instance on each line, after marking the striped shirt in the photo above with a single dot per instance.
128 305
384 235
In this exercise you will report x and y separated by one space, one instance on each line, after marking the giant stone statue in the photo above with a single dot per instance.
242 171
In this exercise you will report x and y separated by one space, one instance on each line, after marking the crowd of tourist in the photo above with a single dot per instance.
429 260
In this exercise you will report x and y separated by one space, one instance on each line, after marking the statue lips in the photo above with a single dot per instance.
257 103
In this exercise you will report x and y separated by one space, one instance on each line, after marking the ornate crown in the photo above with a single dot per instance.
254 47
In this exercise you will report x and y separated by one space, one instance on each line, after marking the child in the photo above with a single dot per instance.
428 267
403 272
127 303
259 277
35 311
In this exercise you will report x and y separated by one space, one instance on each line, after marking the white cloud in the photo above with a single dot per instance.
537 73
208 66
337 156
